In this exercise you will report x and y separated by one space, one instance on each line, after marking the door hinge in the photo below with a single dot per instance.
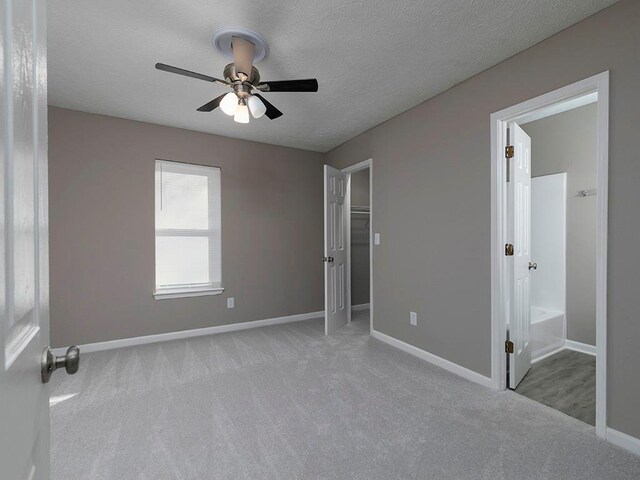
508 151
508 154
508 346
508 250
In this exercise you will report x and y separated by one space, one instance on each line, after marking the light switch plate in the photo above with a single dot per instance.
376 239
231 302
413 318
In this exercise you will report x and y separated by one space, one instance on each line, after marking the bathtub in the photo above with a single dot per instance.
547 331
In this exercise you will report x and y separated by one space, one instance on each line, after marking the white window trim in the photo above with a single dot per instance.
185 291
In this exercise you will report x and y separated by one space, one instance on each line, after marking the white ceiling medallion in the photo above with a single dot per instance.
221 39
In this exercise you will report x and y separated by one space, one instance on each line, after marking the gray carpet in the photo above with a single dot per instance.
565 381
286 402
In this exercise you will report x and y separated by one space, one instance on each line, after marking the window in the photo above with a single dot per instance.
188 230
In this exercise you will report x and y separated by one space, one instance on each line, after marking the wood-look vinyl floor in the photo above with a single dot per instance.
565 381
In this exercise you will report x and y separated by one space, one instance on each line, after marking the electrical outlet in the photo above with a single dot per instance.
413 318
231 302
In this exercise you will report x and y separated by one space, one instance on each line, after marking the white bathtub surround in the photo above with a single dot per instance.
548 251
548 241
547 332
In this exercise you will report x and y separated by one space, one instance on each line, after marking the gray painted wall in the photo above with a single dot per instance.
568 143
360 239
101 174
432 205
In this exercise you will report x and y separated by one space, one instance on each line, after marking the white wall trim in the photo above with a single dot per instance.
185 293
568 345
547 355
623 440
433 359
358 166
600 84
362 306
196 332
349 170
580 347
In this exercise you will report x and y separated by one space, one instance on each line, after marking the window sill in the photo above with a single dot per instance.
184 293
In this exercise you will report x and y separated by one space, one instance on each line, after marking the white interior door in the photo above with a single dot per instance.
520 317
24 312
335 249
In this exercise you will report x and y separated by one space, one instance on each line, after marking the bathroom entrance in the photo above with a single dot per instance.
553 263
561 264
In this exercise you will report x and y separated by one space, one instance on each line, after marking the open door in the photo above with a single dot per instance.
335 250
24 295
520 305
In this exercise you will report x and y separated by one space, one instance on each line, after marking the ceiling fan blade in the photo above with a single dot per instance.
212 105
243 51
272 112
307 85
188 73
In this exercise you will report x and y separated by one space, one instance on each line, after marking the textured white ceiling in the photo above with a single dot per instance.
373 58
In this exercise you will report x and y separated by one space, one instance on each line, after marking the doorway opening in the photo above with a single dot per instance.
348 253
549 206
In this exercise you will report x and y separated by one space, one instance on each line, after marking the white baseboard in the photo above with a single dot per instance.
362 306
622 440
580 347
434 359
196 332
568 345
548 354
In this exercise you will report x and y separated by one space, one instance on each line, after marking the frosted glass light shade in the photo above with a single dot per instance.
257 107
229 103
242 112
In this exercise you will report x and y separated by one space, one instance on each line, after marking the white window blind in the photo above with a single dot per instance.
188 228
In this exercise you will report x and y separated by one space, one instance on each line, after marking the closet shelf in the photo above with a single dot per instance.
360 210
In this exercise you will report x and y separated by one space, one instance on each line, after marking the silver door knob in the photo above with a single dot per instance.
51 362
533 266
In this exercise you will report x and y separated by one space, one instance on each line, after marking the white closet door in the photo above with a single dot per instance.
335 250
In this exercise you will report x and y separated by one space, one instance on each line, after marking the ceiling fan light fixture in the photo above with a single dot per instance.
244 48
256 107
229 103
242 112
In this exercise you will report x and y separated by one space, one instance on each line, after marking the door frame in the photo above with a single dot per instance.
348 171
562 99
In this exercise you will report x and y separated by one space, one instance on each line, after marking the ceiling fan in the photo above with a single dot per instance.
243 78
